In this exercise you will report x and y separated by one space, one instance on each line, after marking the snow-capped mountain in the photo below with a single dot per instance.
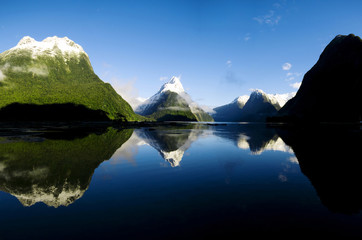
171 144
171 102
281 99
230 112
49 46
56 71
174 85
258 106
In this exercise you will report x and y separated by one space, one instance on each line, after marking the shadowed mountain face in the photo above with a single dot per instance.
330 159
230 112
34 168
258 108
255 108
330 91
50 112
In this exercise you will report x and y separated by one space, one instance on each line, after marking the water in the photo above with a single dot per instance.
190 181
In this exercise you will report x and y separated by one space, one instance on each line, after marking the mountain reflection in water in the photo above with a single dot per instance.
56 172
56 168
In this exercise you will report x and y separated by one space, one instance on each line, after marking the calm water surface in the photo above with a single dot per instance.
190 182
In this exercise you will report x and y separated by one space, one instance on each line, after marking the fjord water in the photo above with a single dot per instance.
179 181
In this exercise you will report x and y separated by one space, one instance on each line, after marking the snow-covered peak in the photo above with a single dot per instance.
241 100
62 196
272 145
274 99
173 157
257 92
49 46
174 85
26 40
282 99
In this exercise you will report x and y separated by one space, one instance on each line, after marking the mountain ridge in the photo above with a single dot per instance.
57 71
338 72
235 112
171 102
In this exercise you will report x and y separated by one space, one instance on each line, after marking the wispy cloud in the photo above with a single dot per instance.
163 78
270 19
40 70
232 78
247 37
295 85
292 76
293 160
228 63
128 91
286 66
207 109
2 76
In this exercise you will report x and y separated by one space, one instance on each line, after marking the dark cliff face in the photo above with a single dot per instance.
228 113
328 157
330 90
257 108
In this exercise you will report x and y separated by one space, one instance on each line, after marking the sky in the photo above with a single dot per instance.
222 49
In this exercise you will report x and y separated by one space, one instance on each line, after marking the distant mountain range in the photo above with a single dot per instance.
171 102
54 80
255 108
36 75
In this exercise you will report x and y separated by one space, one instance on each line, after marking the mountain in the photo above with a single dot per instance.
253 137
171 102
173 143
230 112
55 167
328 157
330 90
55 71
251 109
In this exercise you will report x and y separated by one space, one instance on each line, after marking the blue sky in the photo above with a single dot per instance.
221 49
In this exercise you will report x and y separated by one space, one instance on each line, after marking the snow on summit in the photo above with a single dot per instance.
174 85
280 99
49 46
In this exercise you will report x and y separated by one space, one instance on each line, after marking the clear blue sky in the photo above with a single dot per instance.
222 49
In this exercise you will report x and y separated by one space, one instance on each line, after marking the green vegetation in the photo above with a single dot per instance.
58 80
174 108
52 165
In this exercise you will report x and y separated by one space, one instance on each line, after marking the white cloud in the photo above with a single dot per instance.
293 160
247 37
207 109
41 71
286 66
282 178
163 78
127 91
295 85
2 76
270 18
292 76
228 63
